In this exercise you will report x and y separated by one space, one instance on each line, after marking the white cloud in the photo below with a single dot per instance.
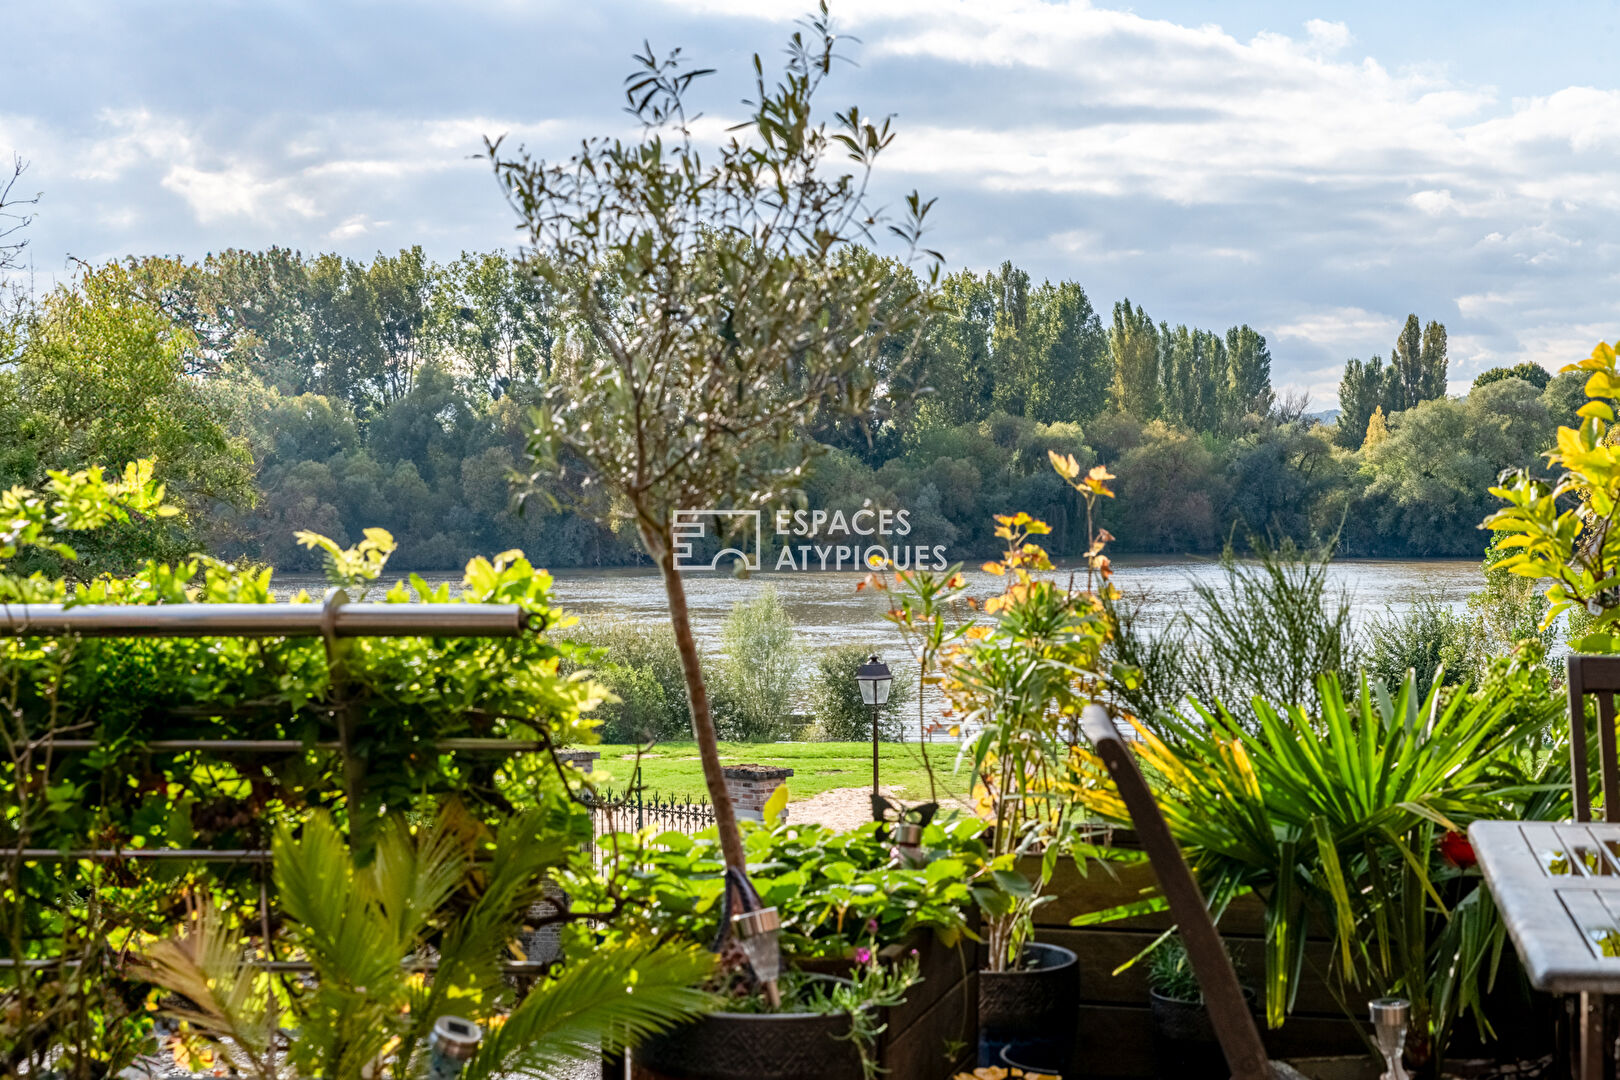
1340 328
1286 180
1328 36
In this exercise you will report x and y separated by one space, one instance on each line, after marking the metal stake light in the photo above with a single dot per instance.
875 680
1389 1017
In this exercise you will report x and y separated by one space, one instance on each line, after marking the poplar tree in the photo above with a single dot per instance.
1070 368
1406 364
1418 365
1134 343
1435 361
1363 390
1248 378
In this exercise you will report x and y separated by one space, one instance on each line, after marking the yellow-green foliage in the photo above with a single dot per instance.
1563 531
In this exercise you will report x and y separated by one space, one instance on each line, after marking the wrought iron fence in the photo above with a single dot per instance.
635 809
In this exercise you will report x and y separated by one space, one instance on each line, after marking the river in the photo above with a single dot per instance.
827 609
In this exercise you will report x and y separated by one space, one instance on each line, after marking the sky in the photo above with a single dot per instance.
1316 170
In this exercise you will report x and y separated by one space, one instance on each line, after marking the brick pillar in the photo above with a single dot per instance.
750 785
583 760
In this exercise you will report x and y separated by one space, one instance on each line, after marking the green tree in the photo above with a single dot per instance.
102 376
1363 389
717 309
953 360
501 323
1134 345
1169 493
1532 373
1564 396
1193 375
1429 481
1248 383
1417 366
402 289
1070 367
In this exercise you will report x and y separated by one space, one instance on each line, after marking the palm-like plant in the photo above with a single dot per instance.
448 892
1333 818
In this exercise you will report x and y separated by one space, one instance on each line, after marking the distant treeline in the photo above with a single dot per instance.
282 392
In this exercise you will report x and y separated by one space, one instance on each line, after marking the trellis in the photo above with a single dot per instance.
333 620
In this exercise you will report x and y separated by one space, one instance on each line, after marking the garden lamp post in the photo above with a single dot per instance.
875 680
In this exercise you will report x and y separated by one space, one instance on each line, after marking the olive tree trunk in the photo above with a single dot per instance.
697 698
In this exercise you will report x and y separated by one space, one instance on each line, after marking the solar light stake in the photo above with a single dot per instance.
1389 1017
452 1044
757 932
908 842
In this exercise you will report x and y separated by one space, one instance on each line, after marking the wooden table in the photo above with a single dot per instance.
1557 885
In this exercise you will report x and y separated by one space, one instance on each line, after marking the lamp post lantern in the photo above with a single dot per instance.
874 679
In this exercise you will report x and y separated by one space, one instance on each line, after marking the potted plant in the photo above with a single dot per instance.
824 1028
1021 680
893 936
1184 1042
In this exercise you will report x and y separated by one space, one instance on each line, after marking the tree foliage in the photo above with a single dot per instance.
721 303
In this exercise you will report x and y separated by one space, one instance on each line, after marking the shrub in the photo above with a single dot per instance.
1510 608
1428 635
754 685
640 664
835 697
1272 628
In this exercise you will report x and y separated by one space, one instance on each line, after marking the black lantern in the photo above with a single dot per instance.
875 680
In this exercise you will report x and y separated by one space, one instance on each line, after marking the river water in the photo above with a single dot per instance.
827 609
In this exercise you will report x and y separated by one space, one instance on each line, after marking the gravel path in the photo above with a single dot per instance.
845 808
838 809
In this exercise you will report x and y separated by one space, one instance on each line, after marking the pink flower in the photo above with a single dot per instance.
871 926
863 955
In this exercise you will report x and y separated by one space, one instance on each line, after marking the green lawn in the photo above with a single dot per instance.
673 768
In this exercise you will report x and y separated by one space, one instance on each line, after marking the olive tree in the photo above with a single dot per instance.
718 302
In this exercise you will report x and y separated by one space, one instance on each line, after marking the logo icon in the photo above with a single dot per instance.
689 526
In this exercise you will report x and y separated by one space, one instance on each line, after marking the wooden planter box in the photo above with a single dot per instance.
941 1013
1112 1016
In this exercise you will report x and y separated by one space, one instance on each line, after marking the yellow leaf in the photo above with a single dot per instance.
776 805
1066 466
993 568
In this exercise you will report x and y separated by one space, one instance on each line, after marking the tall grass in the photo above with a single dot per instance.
1272 627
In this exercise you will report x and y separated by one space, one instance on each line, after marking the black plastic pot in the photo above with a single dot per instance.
1029 1014
748 1046
1184 1042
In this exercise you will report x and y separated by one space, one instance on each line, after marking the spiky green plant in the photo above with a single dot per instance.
447 890
1332 818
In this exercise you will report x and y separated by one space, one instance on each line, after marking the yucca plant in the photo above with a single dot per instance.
1332 819
448 891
